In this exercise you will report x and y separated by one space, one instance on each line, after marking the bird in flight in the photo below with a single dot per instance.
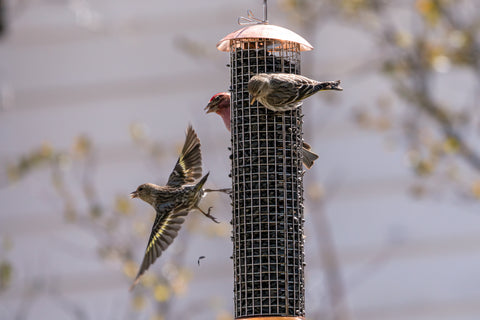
175 200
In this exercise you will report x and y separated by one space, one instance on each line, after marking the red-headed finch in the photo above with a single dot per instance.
220 104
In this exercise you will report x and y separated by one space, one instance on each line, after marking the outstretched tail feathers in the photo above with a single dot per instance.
200 183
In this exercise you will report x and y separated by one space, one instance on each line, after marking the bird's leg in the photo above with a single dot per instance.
225 190
207 214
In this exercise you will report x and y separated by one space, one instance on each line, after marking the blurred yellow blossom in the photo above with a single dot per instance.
161 293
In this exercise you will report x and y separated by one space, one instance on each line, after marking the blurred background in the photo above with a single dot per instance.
95 97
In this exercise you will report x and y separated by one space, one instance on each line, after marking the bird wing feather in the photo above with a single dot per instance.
189 164
164 230
289 89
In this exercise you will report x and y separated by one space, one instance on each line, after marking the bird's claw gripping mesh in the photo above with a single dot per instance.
267 179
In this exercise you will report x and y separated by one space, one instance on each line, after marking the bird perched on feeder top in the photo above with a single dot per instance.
220 104
285 91
174 201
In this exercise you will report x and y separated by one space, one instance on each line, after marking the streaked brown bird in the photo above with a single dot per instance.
174 201
220 104
285 91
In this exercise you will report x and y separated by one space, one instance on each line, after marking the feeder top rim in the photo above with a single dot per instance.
264 31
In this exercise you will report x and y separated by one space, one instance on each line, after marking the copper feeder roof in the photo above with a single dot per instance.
264 31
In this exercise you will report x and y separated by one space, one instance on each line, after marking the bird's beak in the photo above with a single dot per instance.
211 107
253 100
133 194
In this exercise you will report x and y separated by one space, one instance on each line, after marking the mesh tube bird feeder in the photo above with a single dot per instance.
267 179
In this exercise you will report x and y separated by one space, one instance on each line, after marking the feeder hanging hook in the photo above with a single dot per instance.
251 19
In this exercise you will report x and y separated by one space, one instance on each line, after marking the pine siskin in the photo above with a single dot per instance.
285 91
220 104
174 201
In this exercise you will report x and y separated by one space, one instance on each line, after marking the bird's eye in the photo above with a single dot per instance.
140 189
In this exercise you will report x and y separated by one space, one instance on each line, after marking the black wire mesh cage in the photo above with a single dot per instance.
267 183
267 187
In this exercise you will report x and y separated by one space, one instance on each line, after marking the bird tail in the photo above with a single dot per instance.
328 85
308 157
200 183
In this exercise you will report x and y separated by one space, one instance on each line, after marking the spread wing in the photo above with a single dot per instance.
189 164
164 230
